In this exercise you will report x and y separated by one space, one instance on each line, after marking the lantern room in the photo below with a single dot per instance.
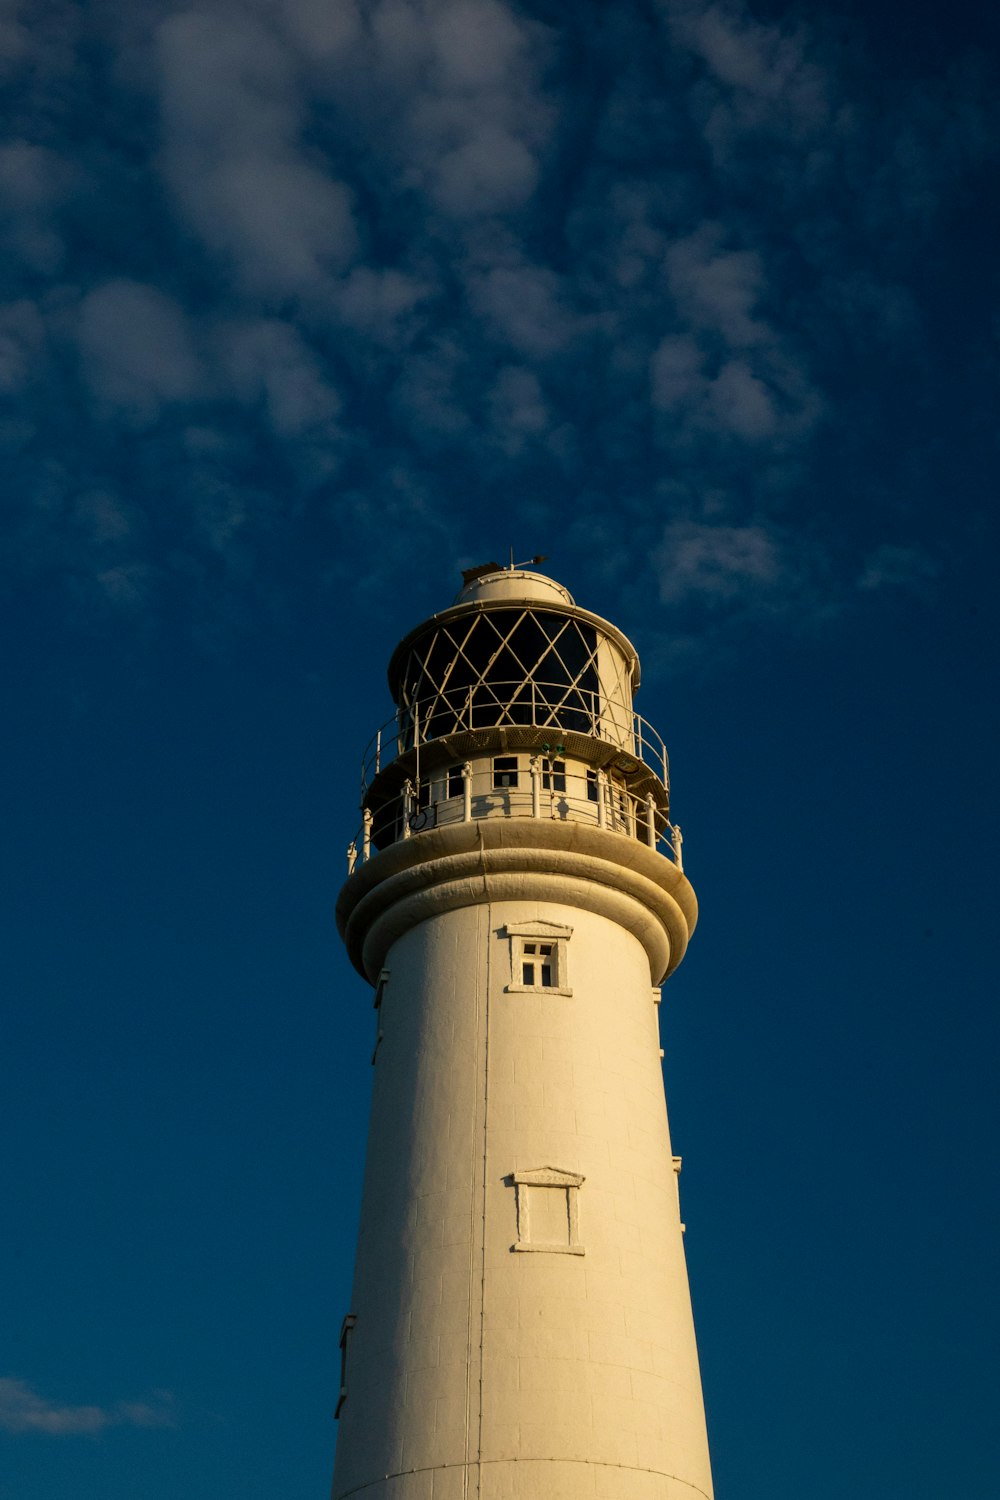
514 702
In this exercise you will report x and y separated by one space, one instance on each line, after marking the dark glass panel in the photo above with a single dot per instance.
505 770
554 775
530 643
509 666
506 672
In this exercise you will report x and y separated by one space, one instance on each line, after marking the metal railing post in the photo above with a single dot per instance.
352 857
677 840
368 819
602 810
407 807
651 820
536 787
467 793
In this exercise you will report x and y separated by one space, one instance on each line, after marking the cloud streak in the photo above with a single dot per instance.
23 1410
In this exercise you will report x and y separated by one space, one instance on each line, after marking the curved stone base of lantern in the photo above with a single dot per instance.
527 859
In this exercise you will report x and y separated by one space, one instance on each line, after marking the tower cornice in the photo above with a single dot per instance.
531 859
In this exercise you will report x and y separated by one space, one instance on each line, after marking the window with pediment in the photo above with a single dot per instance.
548 1210
539 958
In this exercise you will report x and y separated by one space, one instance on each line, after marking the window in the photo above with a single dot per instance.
548 1210
592 787
536 964
504 771
345 1335
456 782
553 775
423 795
538 958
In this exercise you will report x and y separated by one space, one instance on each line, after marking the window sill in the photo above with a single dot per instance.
537 989
550 1249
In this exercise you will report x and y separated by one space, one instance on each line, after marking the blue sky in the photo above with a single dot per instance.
307 305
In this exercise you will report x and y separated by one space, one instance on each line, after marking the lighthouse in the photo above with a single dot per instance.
520 1324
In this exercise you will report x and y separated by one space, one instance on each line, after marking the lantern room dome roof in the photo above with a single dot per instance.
515 584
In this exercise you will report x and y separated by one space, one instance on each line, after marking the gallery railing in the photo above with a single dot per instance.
567 796
557 707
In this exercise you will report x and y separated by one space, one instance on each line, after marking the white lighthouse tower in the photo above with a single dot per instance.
520 1325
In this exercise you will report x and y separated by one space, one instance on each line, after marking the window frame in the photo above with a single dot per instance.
547 1178
537 935
553 774
511 768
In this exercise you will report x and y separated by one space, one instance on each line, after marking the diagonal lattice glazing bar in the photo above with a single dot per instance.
499 659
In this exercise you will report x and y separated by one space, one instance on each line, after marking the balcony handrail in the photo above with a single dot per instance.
600 802
607 719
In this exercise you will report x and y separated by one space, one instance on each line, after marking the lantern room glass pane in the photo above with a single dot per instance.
513 666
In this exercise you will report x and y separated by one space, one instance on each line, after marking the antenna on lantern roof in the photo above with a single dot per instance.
482 570
530 563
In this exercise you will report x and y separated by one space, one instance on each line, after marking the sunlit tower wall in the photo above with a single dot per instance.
520 1325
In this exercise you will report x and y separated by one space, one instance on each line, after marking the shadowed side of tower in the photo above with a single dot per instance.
520 1323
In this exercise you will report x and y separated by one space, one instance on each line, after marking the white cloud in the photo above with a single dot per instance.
742 403
323 30
103 517
519 412
378 303
22 345
420 203
476 43
430 395
893 566
678 373
126 586
33 181
523 306
760 76
720 564
15 42
23 1410
137 350
491 171
234 159
400 39
717 289
267 361
735 401
471 118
